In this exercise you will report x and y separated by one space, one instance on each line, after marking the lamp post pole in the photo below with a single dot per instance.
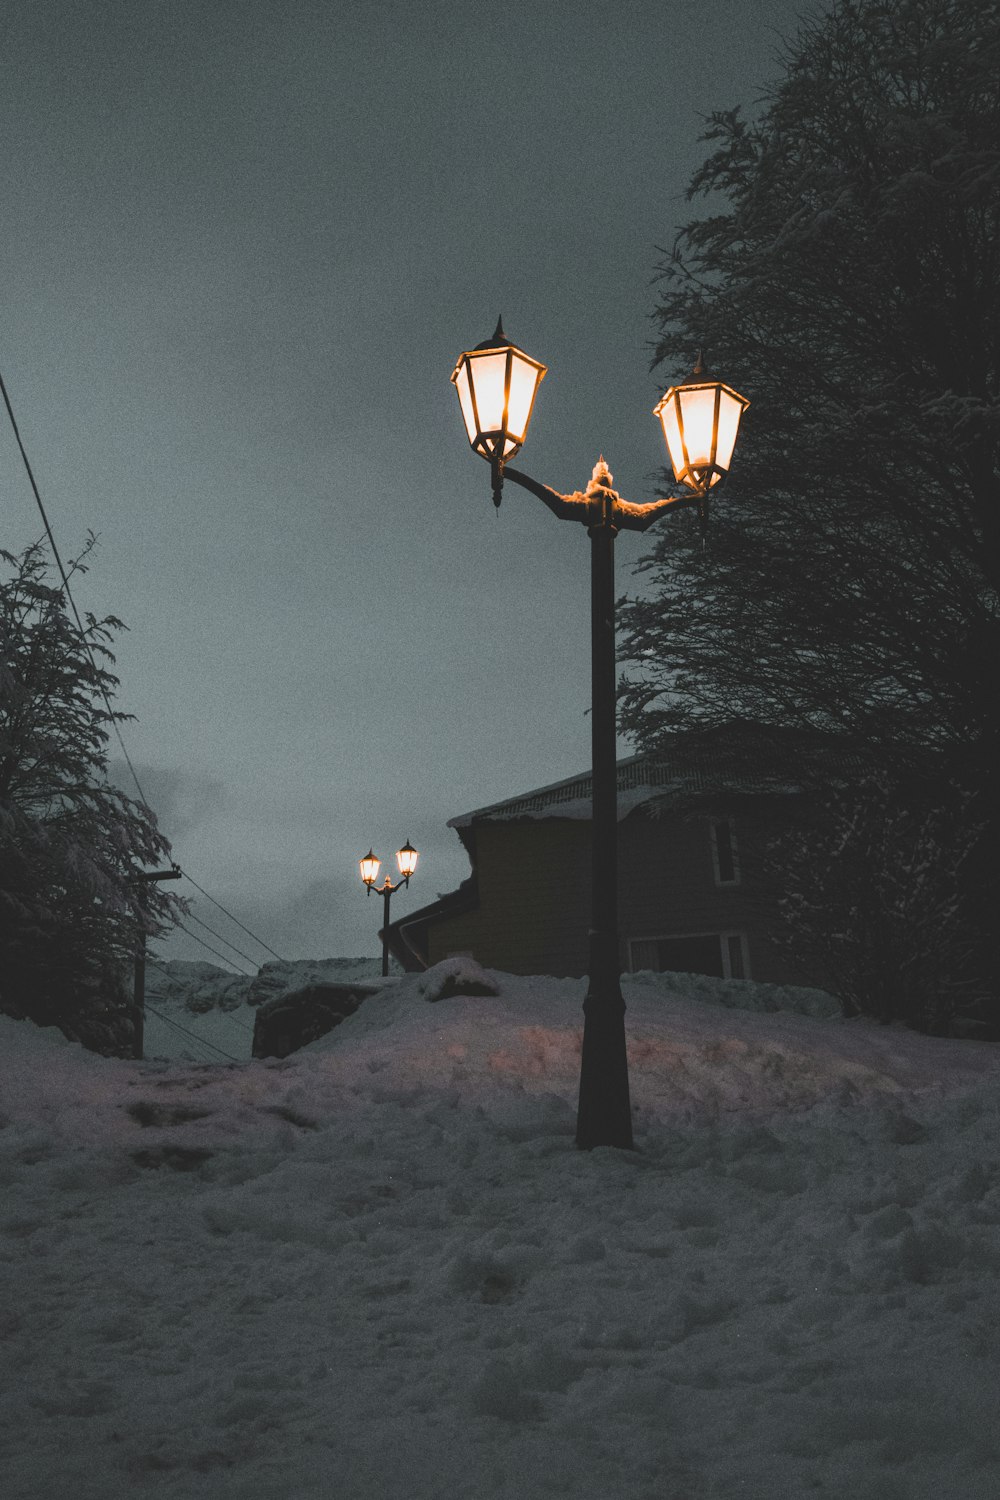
604 1111
496 384
385 891
604 1114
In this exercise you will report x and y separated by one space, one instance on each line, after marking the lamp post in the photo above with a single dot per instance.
406 858
496 385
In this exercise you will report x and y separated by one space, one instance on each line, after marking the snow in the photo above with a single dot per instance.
380 1267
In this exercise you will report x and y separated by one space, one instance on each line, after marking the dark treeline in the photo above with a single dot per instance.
844 275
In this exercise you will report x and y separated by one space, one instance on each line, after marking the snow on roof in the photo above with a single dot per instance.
744 759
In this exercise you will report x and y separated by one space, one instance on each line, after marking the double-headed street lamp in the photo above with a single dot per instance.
496 384
406 858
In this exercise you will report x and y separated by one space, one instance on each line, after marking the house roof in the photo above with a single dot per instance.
737 758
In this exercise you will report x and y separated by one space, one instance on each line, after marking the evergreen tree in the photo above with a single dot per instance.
874 894
846 278
71 845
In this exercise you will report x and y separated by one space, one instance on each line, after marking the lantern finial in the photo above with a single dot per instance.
499 339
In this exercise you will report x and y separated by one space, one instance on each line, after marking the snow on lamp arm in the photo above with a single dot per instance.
496 385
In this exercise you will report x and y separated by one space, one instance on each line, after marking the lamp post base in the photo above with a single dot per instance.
604 1113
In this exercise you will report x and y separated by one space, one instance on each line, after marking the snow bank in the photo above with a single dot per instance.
380 1268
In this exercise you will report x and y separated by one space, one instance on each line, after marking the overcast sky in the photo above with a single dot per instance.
243 244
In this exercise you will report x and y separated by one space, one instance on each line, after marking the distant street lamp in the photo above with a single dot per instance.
496 385
406 858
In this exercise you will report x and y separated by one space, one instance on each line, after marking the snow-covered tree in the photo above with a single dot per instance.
846 278
874 897
71 844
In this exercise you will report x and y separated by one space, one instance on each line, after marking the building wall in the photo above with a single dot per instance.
534 890
534 900
669 888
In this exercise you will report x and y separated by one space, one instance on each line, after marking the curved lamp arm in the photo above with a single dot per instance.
640 517
575 507
599 503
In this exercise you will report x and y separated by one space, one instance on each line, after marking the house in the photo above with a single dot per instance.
697 893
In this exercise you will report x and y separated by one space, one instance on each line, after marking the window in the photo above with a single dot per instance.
722 954
736 945
725 858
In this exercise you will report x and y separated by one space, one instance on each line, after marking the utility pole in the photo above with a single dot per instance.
139 991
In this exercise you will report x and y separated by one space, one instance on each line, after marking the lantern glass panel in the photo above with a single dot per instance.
369 869
672 433
730 411
698 418
406 858
489 377
465 399
524 378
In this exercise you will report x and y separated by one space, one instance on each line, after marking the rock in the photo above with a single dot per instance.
293 1019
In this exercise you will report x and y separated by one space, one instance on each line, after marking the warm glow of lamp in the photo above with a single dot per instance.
496 384
369 868
406 858
700 421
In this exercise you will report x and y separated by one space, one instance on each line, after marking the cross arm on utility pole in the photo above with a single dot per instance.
174 873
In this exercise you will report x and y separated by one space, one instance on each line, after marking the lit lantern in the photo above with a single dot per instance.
496 384
700 422
406 858
369 869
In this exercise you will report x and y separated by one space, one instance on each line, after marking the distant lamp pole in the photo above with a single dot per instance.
406 858
496 384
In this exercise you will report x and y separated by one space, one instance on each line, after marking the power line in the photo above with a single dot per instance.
65 581
103 691
232 918
193 1035
192 918
210 949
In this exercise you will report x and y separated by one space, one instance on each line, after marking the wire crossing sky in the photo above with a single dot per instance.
243 247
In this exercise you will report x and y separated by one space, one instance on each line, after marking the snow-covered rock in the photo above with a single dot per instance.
200 987
199 1012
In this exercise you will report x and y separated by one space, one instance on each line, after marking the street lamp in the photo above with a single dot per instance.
406 858
496 384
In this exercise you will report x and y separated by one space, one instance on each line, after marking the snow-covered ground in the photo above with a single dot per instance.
380 1267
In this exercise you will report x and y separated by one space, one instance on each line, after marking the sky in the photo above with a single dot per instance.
243 247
